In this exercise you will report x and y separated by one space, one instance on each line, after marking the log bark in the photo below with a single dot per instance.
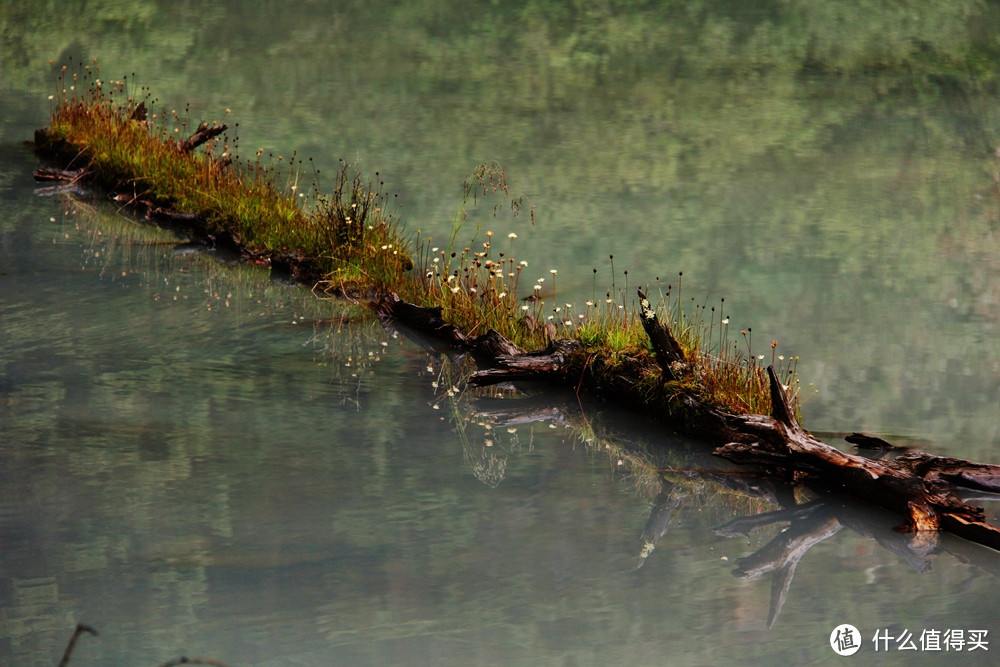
548 364
204 133
912 485
669 354
427 325
59 175
926 491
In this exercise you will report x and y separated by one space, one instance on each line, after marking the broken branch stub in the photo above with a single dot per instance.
201 135
925 490
669 355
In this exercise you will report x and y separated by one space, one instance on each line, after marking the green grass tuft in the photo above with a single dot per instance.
351 233
351 237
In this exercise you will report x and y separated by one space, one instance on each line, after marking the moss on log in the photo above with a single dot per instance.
926 491
351 240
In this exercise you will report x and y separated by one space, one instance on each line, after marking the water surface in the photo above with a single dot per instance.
201 459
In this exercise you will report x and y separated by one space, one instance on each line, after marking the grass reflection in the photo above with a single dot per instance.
764 528
122 250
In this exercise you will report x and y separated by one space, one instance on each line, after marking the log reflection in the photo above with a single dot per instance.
677 476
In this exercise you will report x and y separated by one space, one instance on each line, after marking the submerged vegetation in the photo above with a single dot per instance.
349 243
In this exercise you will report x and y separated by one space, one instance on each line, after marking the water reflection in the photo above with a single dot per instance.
816 167
239 468
675 474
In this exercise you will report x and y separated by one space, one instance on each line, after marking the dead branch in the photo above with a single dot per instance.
204 133
59 175
669 354
925 490
80 629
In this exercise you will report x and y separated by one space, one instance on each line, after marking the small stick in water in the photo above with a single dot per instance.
80 629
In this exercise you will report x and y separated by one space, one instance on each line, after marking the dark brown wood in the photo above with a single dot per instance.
79 630
925 490
427 322
139 113
669 354
959 472
60 175
911 486
547 364
780 408
205 132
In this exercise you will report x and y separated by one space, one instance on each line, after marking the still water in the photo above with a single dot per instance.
197 458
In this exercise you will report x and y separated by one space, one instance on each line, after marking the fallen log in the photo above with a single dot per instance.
686 475
59 175
926 491
427 322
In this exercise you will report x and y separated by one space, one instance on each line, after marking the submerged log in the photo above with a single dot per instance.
926 491
548 365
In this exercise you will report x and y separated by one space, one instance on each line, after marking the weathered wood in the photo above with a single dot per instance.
547 364
959 472
925 490
780 408
669 354
427 321
139 113
204 133
60 175
869 442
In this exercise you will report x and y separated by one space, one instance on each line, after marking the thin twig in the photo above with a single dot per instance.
80 629
193 661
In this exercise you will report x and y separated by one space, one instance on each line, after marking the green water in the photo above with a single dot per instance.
199 459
